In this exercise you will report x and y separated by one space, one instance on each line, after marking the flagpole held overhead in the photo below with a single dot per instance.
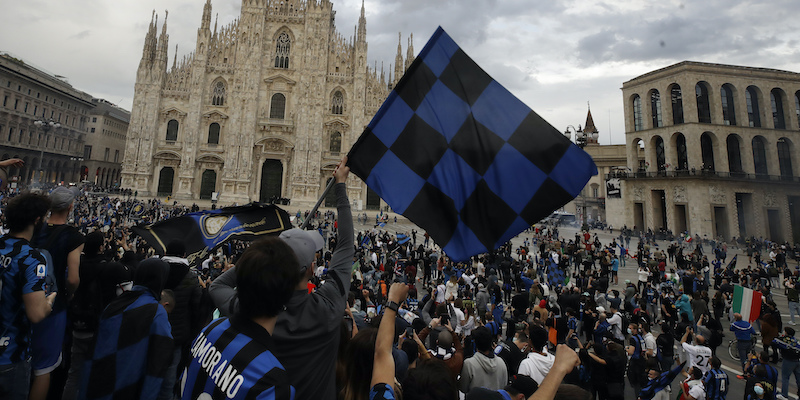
307 222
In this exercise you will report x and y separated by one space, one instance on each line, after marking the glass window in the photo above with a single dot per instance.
336 142
753 113
760 156
784 157
282 51
218 96
703 106
660 157
277 108
683 157
796 106
172 130
637 113
734 154
728 110
655 108
337 103
707 150
776 98
213 133
677 105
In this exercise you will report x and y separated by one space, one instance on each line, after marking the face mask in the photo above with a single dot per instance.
630 332
759 390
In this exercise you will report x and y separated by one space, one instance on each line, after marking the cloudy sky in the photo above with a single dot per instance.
556 55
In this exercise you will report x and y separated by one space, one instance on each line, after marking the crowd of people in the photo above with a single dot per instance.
89 312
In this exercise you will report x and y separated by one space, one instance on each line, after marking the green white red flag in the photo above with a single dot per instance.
746 302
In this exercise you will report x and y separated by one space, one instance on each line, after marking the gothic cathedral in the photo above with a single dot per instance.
263 108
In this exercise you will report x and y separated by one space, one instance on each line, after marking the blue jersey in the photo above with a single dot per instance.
22 270
716 383
233 359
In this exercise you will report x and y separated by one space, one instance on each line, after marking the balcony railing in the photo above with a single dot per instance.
703 174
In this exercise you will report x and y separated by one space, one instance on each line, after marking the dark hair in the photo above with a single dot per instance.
266 275
23 210
697 373
538 337
715 363
359 356
411 349
431 380
789 331
482 338
572 392
94 241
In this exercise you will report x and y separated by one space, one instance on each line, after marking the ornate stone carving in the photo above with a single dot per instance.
770 199
717 195
680 194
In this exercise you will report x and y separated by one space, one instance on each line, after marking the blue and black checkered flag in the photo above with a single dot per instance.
457 154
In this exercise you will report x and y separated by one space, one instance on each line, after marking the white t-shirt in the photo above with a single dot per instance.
440 293
650 343
697 355
616 326
537 366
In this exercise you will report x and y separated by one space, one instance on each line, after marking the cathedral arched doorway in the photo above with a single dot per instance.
271 180
165 179
373 200
208 184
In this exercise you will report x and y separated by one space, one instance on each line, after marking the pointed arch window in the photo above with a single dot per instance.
677 104
337 103
277 107
213 133
282 51
776 98
655 108
703 106
172 130
728 110
753 112
336 142
218 94
637 113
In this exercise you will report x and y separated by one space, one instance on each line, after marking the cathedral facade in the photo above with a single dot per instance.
264 108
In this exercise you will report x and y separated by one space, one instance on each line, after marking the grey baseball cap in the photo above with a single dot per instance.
305 244
62 197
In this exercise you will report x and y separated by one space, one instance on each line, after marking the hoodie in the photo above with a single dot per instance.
483 371
537 365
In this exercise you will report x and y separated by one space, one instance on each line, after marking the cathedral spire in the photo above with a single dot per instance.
175 60
398 60
410 51
362 26
206 23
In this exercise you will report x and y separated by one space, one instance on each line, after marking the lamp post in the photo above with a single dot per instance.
46 126
75 165
581 139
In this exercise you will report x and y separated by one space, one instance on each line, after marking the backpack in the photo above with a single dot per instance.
625 323
50 278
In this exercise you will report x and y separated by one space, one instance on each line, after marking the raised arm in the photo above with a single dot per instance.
383 367
340 273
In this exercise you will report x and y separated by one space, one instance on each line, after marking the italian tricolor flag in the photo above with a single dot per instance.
746 302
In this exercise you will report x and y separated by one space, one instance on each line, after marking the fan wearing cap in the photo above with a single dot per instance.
306 335
65 244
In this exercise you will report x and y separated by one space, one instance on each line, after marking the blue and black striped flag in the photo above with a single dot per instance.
460 156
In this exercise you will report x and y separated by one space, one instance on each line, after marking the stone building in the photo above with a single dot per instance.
30 94
263 108
105 148
590 205
722 163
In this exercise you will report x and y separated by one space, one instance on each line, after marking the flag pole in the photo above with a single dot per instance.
316 206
